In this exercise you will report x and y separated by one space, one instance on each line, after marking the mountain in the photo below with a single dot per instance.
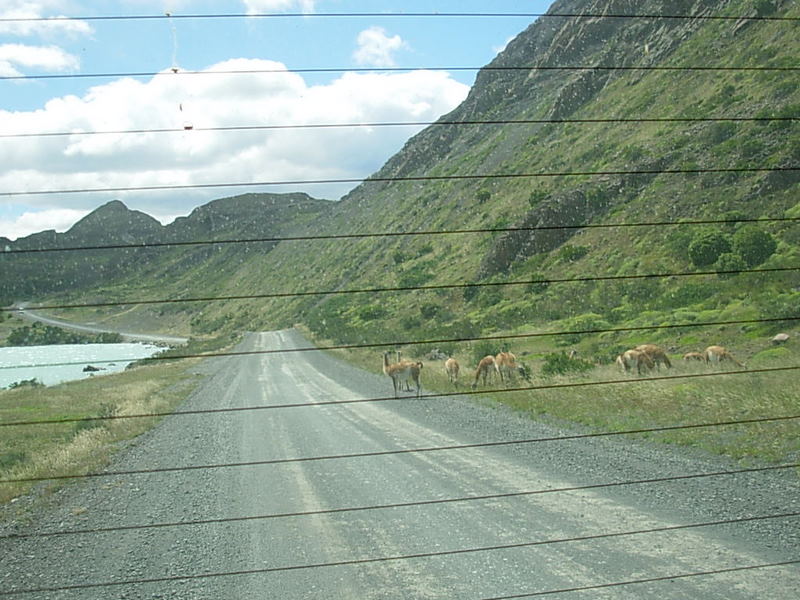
538 182
114 223
164 253
597 126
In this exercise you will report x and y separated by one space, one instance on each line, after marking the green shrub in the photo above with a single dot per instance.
753 245
370 312
484 348
707 246
585 322
429 310
642 290
729 262
538 284
687 294
571 253
414 277
719 132
34 383
558 363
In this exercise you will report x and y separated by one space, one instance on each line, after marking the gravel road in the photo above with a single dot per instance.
128 336
285 529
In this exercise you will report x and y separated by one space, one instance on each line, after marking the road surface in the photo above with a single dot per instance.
128 336
313 521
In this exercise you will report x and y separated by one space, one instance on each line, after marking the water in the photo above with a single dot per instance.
67 361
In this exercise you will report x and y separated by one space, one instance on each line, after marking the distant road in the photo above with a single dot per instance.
305 490
128 336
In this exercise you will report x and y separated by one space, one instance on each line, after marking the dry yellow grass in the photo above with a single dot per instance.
75 448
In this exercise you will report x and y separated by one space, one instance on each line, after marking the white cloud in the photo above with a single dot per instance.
59 219
39 9
376 48
208 157
267 6
38 57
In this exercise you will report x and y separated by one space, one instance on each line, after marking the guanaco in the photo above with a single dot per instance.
486 367
714 355
634 358
401 372
452 368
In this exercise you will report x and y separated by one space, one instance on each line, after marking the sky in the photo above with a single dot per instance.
379 69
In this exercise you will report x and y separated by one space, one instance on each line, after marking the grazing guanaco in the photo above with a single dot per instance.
401 372
485 368
634 358
452 368
506 365
714 355
694 356
656 354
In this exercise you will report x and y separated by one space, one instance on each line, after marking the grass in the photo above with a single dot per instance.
95 409
79 447
640 404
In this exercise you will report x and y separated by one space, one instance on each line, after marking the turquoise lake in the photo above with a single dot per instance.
65 362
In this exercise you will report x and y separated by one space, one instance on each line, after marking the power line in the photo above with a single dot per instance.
375 179
398 343
420 450
438 123
394 234
380 290
487 68
289 15
663 578
398 505
441 553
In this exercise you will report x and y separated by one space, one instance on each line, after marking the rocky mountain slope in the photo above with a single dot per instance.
166 251
596 126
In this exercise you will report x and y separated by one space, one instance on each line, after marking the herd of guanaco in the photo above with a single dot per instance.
642 358
649 356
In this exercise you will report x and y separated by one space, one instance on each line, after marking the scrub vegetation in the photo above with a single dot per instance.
81 446
687 238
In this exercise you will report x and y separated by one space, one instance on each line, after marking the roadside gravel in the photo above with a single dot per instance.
61 561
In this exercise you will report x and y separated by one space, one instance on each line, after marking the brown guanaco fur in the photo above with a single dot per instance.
506 365
634 358
452 368
656 354
714 355
694 356
402 372
485 368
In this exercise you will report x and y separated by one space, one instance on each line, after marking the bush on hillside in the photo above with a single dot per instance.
707 246
558 363
754 245
582 323
729 262
485 348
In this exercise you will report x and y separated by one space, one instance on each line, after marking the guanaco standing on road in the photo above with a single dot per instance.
400 372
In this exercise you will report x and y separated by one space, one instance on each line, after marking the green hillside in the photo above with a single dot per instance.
688 170
639 134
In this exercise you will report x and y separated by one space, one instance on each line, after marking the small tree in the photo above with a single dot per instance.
729 262
707 246
561 364
754 245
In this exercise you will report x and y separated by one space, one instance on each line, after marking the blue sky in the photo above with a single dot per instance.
80 47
